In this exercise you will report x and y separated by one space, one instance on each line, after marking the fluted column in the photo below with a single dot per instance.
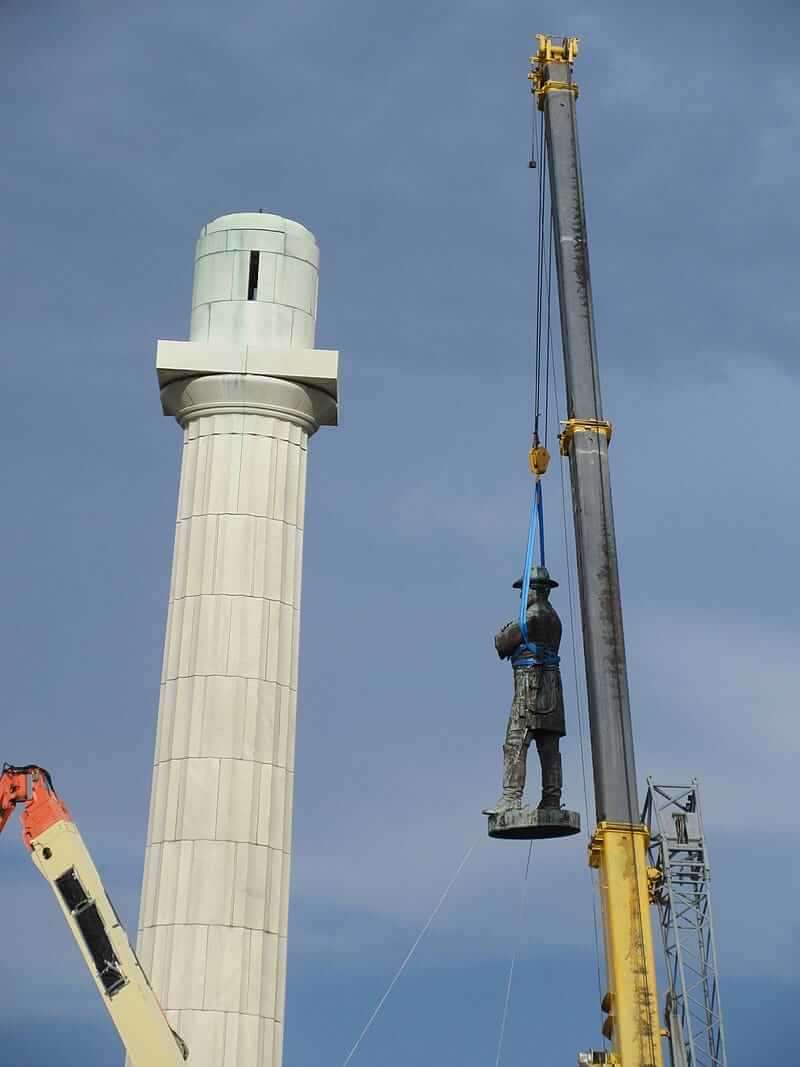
215 897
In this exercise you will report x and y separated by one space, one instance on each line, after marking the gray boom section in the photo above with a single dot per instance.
601 610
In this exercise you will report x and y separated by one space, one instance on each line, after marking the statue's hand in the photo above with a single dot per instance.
507 640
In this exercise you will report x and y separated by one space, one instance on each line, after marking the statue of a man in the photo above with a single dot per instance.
537 711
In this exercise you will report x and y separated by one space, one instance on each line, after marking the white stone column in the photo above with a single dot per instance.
249 391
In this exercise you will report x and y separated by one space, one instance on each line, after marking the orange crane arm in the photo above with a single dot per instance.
33 787
59 853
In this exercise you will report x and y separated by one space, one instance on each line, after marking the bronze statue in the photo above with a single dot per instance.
537 711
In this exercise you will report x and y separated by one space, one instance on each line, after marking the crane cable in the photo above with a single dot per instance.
543 353
539 457
541 255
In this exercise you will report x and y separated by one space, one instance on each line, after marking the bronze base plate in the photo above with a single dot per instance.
533 824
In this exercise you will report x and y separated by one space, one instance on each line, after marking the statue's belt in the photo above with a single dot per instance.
551 661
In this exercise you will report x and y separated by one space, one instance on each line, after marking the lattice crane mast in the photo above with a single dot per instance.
678 852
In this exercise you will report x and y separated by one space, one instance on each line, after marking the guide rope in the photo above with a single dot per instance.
514 955
412 950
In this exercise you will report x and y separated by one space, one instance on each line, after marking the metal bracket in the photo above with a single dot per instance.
542 88
655 880
596 842
573 426
563 53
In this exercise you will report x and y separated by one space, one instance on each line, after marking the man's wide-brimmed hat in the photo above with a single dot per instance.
539 576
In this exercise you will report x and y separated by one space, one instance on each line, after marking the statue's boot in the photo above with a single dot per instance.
507 802
550 759
513 779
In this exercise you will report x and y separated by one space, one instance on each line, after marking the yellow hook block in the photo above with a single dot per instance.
539 459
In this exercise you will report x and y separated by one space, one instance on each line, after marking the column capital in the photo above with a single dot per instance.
248 394
191 359
310 377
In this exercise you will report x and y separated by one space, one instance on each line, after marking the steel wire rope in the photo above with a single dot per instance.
548 227
537 511
411 951
549 324
514 955
540 260
535 161
532 160
537 345
569 558
604 484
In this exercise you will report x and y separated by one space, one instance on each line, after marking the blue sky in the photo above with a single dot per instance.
399 135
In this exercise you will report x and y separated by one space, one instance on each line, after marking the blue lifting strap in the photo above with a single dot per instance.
539 655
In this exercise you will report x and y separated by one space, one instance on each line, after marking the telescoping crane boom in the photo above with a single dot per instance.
618 849
58 851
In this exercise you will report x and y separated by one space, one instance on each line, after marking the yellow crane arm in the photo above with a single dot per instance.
619 853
